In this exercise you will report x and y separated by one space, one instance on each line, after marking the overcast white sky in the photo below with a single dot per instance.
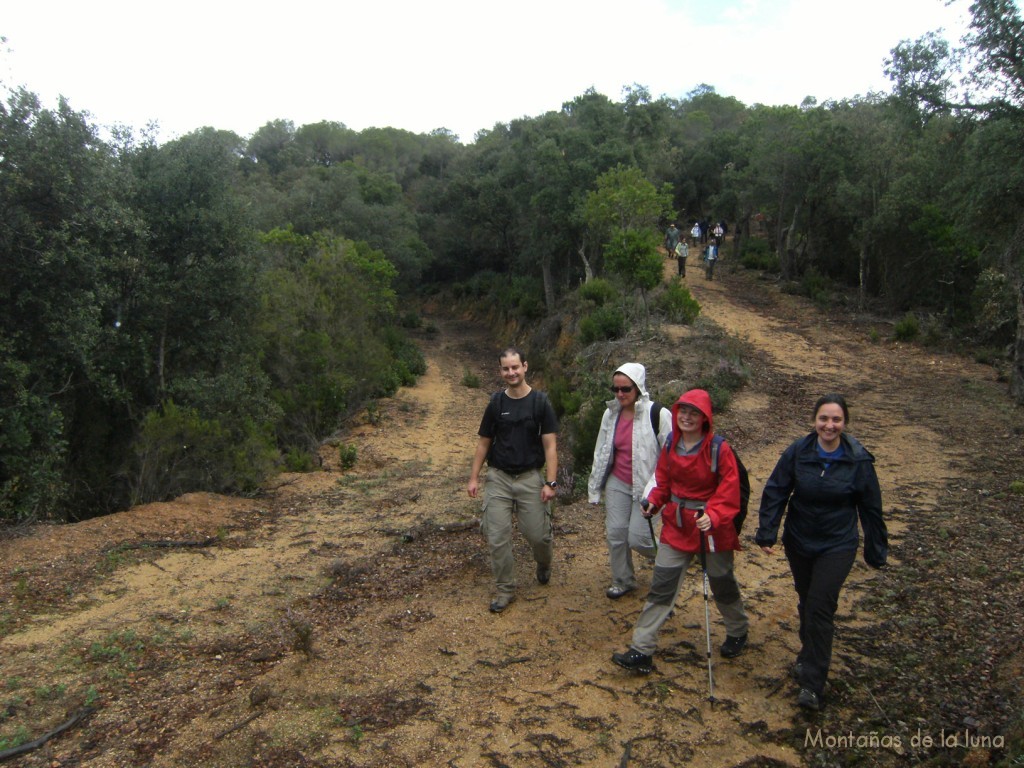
458 64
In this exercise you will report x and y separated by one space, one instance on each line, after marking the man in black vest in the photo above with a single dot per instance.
518 440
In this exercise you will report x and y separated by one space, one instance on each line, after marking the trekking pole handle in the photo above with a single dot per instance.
699 515
706 539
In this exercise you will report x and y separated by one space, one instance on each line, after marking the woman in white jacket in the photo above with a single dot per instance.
624 459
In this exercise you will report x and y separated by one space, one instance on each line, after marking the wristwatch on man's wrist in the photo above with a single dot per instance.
551 484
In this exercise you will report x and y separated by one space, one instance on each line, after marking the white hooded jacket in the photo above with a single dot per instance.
646 445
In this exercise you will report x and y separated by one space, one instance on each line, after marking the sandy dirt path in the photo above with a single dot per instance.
342 620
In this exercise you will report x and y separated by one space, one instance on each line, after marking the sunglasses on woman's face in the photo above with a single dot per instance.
623 390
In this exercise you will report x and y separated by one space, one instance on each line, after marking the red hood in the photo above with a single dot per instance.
695 398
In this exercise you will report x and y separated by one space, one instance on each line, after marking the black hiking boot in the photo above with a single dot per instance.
501 602
543 574
733 646
634 661
808 699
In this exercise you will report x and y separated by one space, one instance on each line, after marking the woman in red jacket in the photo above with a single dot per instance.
694 500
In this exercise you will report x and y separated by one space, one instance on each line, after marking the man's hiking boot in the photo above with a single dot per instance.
501 602
733 646
614 592
808 699
543 574
634 661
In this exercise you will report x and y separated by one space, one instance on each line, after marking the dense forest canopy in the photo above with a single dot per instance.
192 315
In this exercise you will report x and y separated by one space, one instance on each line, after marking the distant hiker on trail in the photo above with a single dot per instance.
518 440
682 252
633 430
710 257
695 233
698 507
671 239
719 233
824 482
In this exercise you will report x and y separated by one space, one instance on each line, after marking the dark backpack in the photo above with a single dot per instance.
655 414
717 441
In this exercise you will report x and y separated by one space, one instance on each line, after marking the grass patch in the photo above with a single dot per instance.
121 648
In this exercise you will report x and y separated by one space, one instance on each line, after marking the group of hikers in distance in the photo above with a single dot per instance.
650 463
702 232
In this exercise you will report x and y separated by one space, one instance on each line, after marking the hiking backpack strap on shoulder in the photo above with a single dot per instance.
656 409
744 478
494 404
655 417
539 405
540 402
494 407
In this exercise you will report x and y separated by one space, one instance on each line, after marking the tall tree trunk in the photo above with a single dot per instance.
549 284
588 271
739 232
787 250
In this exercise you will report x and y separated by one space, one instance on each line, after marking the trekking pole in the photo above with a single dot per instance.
650 524
707 612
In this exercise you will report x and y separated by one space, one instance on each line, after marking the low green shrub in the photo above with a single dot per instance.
298 460
757 253
178 450
602 324
815 286
598 291
526 297
989 355
583 436
411 320
565 398
908 328
347 455
677 304
728 376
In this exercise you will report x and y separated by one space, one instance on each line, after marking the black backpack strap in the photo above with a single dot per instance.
495 403
540 402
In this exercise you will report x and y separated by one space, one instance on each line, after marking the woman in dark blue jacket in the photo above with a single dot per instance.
824 482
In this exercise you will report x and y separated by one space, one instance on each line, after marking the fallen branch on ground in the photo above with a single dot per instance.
29 746
238 726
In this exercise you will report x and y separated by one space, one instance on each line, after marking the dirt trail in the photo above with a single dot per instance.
342 620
